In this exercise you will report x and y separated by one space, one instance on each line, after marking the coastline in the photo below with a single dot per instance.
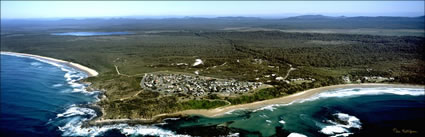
90 72
288 99
98 121
250 106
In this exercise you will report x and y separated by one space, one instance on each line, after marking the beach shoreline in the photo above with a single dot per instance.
216 111
252 106
90 72
290 98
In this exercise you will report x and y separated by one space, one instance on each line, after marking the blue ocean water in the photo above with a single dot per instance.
91 33
40 98
33 93
365 112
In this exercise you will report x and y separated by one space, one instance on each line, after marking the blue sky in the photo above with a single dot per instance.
83 9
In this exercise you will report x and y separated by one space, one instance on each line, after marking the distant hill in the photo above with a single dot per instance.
203 23
342 22
313 17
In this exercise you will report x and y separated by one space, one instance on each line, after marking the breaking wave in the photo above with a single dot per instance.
233 135
74 110
38 59
36 64
57 85
367 91
76 116
74 129
296 135
352 92
70 122
72 75
341 125
269 107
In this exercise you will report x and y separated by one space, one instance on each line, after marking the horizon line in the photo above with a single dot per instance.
268 16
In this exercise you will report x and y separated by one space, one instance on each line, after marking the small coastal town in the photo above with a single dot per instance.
194 85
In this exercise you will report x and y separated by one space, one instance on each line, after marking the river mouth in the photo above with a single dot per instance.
86 34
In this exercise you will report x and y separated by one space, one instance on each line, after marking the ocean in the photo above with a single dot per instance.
41 98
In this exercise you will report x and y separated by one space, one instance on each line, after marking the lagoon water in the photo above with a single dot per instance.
40 98
91 33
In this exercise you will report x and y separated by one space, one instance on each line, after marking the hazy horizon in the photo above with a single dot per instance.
209 9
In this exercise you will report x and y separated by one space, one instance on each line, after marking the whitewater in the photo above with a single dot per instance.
51 95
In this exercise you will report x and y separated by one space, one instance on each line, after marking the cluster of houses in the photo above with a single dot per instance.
193 84
372 79
302 79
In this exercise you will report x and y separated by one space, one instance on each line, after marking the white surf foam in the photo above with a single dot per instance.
234 111
296 135
282 122
38 59
271 107
171 118
263 116
74 128
352 92
339 129
233 135
36 64
332 130
57 85
72 75
368 91
342 135
353 122
74 110
76 116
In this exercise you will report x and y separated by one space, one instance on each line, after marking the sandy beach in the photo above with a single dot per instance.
288 99
255 105
221 110
90 72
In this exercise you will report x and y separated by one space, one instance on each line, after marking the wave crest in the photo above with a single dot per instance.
75 117
352 92
341 125
36 64
72 75
296 135
369 91
74 128
57 85
73 111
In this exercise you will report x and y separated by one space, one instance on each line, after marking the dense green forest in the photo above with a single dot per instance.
245 49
